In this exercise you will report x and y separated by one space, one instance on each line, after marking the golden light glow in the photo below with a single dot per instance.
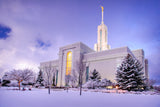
109 87
116 87
102 8
69 63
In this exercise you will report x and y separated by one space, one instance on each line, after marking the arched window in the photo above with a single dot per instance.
69 63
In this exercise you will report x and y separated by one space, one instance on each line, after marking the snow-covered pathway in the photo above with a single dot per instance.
40 98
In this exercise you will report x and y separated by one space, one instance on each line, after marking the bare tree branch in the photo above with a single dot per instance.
49 71
81 67
20 75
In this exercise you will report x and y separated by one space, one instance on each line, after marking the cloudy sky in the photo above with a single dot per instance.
31 31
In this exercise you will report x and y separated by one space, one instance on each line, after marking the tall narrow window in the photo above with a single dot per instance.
56 77
69 63
100 39
87 73
106 36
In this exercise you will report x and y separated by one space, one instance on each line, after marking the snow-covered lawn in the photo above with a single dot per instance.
60 98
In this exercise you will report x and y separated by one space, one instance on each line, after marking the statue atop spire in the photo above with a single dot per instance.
102 8
102 14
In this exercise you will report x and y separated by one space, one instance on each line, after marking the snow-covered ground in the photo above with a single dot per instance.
60 98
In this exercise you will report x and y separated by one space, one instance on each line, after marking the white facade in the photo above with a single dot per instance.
105 62
103 59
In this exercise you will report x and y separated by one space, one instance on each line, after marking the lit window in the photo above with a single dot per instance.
69 63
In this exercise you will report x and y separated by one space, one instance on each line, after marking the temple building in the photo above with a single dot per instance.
104 59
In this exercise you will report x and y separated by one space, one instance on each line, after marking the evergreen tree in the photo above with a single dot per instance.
95 76
129 74
40 79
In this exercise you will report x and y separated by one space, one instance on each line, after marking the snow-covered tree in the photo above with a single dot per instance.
40 79
67 80
129 74
20 75
80 67
49 72
95 76
74 78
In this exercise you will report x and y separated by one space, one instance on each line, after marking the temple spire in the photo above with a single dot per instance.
102 14
102 36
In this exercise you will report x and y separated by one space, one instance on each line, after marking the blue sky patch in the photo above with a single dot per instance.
42 44
4 32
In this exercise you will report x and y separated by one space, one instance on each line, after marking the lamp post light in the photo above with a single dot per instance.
117 88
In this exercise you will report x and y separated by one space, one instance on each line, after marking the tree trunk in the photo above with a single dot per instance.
19 85
80 84
49 89
80 89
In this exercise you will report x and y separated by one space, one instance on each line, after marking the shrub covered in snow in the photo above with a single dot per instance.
157 88
105 83
13 84
91 84
96 82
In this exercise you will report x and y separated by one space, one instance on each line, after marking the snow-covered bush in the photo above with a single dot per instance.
96 82
129 74
157 88
5 80
105 82
90 84
13 84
